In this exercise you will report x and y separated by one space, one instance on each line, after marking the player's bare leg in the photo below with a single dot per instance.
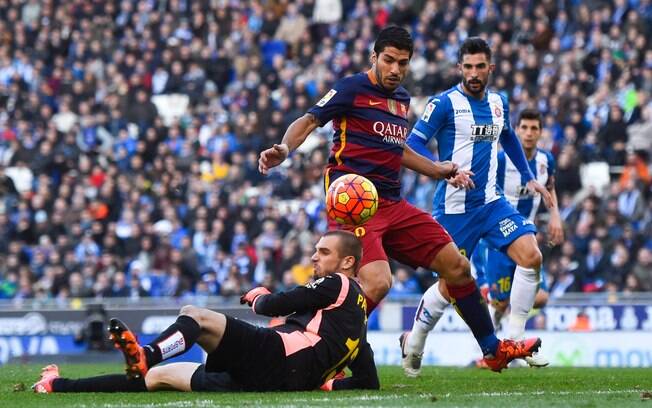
175 376
376 280
541 299
212 326
525 252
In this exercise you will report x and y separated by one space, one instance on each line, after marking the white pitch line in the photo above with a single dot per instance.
260 402
534 393
362 398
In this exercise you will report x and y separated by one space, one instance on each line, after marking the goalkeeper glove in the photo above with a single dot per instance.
251 296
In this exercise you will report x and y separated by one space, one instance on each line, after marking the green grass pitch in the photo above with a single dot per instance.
437 387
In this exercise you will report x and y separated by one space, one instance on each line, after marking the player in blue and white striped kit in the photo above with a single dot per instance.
497 267
468 121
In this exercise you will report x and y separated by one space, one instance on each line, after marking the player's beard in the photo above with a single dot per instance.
467 86
381 78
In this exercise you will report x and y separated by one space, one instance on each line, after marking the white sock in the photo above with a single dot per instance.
524 290
431 308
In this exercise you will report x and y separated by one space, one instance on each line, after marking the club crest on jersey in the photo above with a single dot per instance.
484 133
391 104
324 100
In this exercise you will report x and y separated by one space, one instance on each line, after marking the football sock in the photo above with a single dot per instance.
431 308
472 307
524 290
102 383
176 339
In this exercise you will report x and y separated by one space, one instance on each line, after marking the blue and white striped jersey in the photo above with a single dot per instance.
514 188
467 131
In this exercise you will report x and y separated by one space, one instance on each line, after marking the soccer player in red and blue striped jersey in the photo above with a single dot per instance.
369 115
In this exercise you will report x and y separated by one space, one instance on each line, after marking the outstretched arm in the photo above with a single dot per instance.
294 136
417 157
514 151
555 226
363 373
313 296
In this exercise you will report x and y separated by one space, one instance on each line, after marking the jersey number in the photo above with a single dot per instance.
354 347
505 284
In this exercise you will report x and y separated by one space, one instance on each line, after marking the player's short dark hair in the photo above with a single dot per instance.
349 245
532 114
394 36
474 45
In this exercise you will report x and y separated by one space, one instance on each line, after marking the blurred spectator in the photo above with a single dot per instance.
642 269
594 267
404 284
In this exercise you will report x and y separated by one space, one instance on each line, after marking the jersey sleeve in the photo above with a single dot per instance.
512 146
432 119
336 102
363 372
552 164
500 174
428 126
315 295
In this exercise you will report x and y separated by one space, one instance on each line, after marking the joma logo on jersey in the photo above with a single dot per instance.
391 132
461 111
484 133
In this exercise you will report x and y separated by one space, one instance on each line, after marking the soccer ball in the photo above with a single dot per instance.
351 200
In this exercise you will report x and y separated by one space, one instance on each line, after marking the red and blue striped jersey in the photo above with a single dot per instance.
371 127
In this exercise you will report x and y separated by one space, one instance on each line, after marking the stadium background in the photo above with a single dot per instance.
129 134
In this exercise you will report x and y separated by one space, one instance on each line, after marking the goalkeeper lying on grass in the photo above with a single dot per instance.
324 333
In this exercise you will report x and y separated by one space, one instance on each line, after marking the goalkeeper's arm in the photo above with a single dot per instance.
363 370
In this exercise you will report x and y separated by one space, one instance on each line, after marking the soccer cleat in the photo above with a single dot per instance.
517 363
479 363
537 360
125 340
411 361
508 350
48 374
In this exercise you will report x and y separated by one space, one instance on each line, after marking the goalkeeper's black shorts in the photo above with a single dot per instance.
251 358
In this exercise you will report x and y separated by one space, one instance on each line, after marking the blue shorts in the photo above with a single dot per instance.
499 269
498 223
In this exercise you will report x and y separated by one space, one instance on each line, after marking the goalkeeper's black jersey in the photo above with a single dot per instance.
326 327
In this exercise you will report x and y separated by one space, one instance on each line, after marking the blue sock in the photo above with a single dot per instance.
488 344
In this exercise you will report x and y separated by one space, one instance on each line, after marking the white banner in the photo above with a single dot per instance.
596 349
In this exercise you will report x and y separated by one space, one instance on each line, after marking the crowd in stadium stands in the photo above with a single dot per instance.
129 135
